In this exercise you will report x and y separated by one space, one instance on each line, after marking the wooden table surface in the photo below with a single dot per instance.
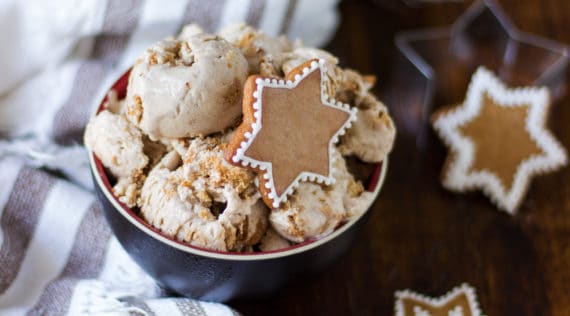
422 237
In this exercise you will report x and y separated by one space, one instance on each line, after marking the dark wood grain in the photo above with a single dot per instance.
425 238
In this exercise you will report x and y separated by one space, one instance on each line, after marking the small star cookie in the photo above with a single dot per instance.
498 140
288 131
461 301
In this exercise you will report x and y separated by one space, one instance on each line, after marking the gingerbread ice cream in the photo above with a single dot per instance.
178 88
177 144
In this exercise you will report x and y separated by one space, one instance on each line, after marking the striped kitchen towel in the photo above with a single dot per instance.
57 58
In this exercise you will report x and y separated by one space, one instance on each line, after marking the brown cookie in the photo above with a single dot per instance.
498 140
288 131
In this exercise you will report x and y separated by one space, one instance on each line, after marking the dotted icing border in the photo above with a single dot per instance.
240 157
457 176
440 301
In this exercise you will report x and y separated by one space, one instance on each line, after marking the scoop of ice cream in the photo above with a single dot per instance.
184 88
205 201
312 212
372 135
315 210
351 86
254 43
272 241
302 54
127 190
117 143
189 31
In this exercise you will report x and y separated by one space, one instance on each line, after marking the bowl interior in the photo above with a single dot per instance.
374 183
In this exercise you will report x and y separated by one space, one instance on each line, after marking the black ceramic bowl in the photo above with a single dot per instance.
219 276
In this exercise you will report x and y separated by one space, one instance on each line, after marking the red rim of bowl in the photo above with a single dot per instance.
376 180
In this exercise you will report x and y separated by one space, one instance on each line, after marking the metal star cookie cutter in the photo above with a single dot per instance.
445 58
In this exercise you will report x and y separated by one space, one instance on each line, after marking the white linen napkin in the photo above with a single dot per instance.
57 58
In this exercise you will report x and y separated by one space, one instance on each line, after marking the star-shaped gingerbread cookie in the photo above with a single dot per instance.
461 301
498 140
288 131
